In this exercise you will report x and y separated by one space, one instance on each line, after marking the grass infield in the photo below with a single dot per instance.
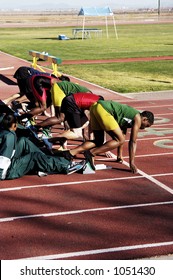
141 40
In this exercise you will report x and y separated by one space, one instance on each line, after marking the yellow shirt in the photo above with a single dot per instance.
57 95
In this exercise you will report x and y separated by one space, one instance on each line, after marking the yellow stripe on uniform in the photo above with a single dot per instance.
100 119
57 95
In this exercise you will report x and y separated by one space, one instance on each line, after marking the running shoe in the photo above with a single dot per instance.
76 166
89 158
46 132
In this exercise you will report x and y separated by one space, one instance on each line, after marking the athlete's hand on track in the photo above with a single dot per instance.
119 160
133 168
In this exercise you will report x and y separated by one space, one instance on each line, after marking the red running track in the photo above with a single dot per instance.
112 214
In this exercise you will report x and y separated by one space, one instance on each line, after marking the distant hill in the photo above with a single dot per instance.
44 6
66 5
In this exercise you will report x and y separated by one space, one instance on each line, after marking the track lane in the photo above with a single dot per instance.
112 214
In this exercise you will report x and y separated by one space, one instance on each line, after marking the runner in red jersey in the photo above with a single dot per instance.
74 109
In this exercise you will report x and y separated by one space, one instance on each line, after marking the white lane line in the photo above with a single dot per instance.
138 156
161 125
156 106
6 68
153 155
153 180
81 211
162 174
154 138
81 182
69 183
164 114
149 177
100 251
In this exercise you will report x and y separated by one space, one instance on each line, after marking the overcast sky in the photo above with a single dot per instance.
52 4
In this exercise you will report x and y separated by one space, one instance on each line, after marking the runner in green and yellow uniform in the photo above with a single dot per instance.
113 118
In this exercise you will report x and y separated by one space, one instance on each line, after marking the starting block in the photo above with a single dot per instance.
102 167
88 170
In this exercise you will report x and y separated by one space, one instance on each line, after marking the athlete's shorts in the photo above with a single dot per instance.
100 119
74 115
57 95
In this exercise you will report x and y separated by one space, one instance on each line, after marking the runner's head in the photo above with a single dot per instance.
147 118
9 122
101 97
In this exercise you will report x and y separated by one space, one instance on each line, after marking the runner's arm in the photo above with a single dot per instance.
133 142
11 98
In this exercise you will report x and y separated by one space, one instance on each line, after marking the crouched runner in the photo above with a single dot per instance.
19 156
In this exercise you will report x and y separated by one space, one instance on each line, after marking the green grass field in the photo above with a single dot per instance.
142 40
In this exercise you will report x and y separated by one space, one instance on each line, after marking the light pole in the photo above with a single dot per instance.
158 7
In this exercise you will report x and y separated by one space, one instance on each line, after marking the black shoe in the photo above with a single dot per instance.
65 154
16 105
62 141
76 166
89 158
